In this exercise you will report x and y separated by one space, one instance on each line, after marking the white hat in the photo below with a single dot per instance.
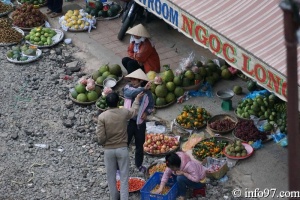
139 30
138 74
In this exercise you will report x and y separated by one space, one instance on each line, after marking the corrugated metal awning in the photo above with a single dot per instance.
253 28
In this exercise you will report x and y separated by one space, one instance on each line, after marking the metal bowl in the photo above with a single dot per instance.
225 94
110 82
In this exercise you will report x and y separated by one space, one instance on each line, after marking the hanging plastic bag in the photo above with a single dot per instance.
187 63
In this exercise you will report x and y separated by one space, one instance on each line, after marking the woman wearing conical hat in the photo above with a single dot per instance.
137 125
141 52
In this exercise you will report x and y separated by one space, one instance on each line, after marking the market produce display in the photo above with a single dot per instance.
101 103
107 71
265 107
245 130
77 20
193 117
26 16
191 142
10 36
156 144
164 191
211 147
44 37
35 3
85 91
25 53
222 123
105 10
238 150
135 184
5 8
160 167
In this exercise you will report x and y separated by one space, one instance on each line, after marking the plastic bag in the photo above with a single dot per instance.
187 63
254 94
278 136
258 123
6 1
204 90
257 144
283 142
214 164
152 127
183 98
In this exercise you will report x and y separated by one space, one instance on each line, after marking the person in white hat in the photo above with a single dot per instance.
137 126
141 52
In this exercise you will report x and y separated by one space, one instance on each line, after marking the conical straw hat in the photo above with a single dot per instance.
139 30
138 74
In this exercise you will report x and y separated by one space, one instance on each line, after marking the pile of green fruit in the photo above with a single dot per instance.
34 2
101 103
82 95
107 71
266 108
236 149
41 36
21 53
97 9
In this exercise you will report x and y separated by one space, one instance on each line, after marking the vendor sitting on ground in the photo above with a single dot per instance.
189 173
141 52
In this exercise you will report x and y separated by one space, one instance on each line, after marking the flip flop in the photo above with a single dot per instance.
53 15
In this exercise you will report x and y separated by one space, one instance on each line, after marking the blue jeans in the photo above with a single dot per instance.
184 183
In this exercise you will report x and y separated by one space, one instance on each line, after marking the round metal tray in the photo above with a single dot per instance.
56 39
30 58
12 43
130 178
221 117
119 79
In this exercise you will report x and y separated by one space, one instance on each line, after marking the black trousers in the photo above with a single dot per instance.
131 65
55 5
138 132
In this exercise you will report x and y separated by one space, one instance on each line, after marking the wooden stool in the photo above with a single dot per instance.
200 191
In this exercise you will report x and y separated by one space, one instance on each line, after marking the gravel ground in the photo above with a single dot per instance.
47 143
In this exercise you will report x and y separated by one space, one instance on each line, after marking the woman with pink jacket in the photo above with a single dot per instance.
189 173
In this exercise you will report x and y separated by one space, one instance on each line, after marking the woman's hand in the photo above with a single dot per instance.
148 85
139 96
158 191
179 173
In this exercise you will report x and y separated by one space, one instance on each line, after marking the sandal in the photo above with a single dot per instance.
48 11
53 15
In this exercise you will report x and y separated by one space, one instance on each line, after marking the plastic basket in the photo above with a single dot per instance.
153 181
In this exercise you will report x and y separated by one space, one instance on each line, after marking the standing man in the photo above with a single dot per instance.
112 134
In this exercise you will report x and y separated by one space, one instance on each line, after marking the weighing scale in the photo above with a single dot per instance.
226 96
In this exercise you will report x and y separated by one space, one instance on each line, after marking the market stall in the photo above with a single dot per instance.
247 35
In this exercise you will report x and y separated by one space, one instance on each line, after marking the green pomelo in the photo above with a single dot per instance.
161 91
82 97
186 82
189 74
113 76
151 75
103 68
179 91
170 97
115 69
105 74
170 86
98 90
177 81
92 96
80 88
153 86
154 97
160 101
168 76
100 80
74 94
237 90
95 75
226 74
202 71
